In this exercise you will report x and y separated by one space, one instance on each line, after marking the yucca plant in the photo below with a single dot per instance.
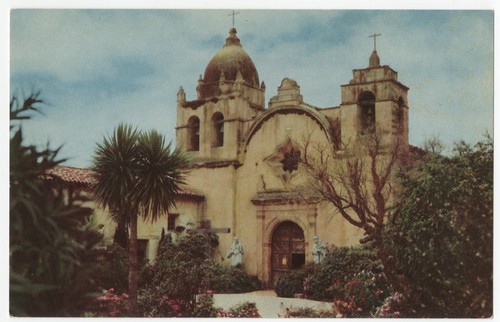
138 175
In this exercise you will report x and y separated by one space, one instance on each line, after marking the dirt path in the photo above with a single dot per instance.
268 304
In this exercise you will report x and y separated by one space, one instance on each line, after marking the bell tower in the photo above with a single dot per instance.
229 98
375 101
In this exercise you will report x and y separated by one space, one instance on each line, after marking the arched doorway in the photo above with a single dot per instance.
288 249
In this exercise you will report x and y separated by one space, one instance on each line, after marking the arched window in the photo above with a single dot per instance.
217 129
366 103
193 134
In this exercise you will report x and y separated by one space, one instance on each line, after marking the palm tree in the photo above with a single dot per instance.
137 174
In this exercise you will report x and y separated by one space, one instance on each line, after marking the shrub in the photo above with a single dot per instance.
204 307
338 267
112 268
241 310
392 307
307 312
291 283
223 279
51 239
442 234
110 304
186 258
155 303
361 295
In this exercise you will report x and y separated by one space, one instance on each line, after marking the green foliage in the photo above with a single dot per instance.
307 312
223 279
291 283
350 277
153 302
137 174
184 258
187 258
110 304
204 307
112 268
441 233
338 267
360 294
241 310
51 239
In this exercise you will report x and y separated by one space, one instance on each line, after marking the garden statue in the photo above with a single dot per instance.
236 253
319 250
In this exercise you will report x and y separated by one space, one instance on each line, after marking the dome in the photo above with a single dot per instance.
229 60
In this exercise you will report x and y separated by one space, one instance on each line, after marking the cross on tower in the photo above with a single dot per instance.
375 40
233 14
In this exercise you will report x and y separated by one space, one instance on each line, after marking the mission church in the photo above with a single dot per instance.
246 178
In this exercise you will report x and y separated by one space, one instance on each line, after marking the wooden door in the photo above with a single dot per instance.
288 249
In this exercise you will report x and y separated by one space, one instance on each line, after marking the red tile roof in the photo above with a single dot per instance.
84 177
71 175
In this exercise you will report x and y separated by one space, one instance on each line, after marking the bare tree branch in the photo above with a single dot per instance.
356 180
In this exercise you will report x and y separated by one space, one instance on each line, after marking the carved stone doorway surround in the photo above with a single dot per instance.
270 213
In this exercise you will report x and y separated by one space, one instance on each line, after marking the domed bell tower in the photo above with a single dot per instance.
229 97
375 101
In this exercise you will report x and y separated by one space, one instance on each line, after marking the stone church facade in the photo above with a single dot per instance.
246 154
246 175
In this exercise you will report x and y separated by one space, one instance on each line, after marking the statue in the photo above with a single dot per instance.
236 253
319 250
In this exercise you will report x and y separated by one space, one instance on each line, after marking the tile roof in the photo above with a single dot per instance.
71 175
84 177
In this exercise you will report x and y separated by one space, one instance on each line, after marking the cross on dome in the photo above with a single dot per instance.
234 14
374 36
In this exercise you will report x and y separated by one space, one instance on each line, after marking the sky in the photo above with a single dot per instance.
98 68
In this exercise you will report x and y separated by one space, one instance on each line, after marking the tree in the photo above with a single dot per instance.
442 233
359 181
137 175
51 241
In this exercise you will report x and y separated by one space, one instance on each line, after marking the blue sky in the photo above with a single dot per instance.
97 68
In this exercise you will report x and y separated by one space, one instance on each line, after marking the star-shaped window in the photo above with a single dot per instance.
290 160
285 160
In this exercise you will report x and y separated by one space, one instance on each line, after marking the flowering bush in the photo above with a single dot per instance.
187 258
110 304
391 307
361 294
307 312
155 303
242 310
441 234
338 266
205 306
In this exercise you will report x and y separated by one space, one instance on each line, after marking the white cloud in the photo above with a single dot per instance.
111 66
